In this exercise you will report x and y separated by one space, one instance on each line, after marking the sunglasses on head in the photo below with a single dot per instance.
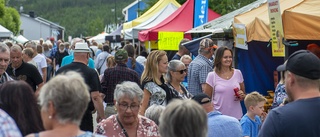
181 71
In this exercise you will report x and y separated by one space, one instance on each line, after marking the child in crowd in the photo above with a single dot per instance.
251 121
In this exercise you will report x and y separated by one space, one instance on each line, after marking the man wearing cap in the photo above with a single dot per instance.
114 76
79 64
201 66
68 59
218 125
301 117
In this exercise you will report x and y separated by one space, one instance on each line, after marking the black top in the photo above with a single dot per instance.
59 56
90 76
26 72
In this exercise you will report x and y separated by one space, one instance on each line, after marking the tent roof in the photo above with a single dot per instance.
4 32
305 16
117 31
150 13
179 21
217 25
153 21
20 39
257 20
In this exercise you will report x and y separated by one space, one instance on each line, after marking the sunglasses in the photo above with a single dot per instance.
181 71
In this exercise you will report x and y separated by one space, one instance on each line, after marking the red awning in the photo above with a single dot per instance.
179 21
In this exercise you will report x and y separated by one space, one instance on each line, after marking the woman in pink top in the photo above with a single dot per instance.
225 84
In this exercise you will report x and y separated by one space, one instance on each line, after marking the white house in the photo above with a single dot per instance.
34 28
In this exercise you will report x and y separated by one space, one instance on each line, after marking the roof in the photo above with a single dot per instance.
306 15
224 22
257 20
151 22
4 32
150 13
179 21
44 21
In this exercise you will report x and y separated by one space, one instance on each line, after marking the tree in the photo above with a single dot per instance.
10 18
2 7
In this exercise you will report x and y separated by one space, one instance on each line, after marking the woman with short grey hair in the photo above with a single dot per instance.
176 73
153 112
64 100
183 118
127 122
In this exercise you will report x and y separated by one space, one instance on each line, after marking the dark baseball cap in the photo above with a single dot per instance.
302 63
201 98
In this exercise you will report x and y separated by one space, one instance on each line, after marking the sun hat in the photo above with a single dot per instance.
81 47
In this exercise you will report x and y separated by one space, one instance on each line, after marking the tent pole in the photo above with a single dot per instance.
149 48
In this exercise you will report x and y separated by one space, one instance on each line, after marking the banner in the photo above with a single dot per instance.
200 12
169 40
276 28
241 36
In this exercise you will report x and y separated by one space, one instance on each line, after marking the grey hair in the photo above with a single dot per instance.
183 118
172 66
128 88
153 112
16 48
69 94
4 47
185 57
75 40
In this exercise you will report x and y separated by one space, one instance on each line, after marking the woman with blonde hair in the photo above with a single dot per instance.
154 88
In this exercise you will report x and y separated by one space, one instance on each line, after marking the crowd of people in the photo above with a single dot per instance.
56 86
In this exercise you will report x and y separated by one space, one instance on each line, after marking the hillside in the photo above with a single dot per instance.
79 17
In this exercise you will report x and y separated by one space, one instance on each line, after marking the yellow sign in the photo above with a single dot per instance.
241 37
169 40
276 28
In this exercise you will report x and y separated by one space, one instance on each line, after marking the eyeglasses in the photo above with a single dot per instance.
181 71
124 107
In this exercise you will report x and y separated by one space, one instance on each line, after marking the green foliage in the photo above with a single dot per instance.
79 17
226 6
2 8
10 18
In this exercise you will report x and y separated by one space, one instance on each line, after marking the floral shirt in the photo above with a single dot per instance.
279 95
111 128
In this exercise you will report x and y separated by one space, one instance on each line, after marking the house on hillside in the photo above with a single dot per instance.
132 11
34 28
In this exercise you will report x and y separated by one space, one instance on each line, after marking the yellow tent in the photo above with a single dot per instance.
150 13
302 21
257 20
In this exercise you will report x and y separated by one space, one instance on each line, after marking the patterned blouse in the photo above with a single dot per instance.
158 94
111 128
279 95
176 94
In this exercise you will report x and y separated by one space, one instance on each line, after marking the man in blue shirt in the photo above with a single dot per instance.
218 125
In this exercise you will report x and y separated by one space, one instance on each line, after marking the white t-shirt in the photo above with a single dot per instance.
41 62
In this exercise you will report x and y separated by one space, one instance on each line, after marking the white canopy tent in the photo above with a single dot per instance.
20 39
4 32
224 22
132 33
100 38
